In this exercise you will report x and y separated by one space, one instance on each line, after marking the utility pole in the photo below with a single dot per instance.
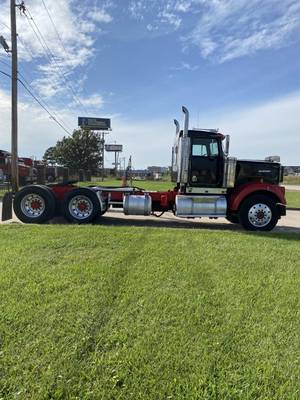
101 166
14 99
117 162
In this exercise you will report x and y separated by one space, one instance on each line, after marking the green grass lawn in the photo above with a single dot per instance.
293 199
2 192
291 180
148 185
94 312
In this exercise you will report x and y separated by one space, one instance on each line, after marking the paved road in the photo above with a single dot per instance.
290 223
293 187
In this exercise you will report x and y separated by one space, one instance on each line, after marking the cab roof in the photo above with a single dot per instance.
207 133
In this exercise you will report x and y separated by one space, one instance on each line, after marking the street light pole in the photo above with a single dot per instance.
14 99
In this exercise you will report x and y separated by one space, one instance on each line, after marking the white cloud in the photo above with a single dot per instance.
271 128
36 129
77 27
161 13
230 29
94 101
183 6
185 66
224 29
170 18
100 15
151 28
137 9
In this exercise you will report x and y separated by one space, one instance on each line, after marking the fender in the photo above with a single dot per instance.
61 190
240 193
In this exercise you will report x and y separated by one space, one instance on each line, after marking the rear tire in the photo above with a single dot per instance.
34 204
81 206
258 213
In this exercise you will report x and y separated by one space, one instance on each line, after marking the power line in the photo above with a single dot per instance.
51 56
57 33
5 73
54 113
47 50
5 63
39 102
54 26
54 118
29 84
25 47
6 26
19 68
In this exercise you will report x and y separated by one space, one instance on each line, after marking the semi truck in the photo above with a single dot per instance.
26 170
207 183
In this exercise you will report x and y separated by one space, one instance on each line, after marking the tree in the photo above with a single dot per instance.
80 151
50 156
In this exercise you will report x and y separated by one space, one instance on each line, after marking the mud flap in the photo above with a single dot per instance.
7 206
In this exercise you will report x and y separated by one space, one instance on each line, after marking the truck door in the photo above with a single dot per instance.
206 163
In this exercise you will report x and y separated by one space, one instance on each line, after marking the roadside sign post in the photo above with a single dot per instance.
97 124
117 149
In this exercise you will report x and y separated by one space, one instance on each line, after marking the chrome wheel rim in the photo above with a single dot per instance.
33 205
81 207
260 215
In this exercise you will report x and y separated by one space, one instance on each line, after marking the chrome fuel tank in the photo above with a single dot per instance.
200 206
137 204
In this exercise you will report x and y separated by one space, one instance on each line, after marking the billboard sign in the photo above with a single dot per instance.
114 147
95 124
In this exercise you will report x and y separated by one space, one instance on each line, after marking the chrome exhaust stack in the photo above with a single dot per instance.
174 174
186 121
184 153
176 134
177 127
227 143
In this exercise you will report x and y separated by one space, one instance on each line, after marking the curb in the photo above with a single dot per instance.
293 209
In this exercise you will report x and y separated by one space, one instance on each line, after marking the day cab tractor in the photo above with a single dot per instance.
208 183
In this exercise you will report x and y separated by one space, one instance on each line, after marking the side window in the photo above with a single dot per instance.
214 149
199 150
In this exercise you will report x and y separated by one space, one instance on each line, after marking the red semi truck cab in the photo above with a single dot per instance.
207 183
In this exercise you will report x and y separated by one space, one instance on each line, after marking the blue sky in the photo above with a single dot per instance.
234 64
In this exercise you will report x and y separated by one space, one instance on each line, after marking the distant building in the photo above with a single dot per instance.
158 170
291 170
140 174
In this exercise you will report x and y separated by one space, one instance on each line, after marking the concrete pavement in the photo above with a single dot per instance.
293 188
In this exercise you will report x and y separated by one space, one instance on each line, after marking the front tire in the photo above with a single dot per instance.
34 204
258 213
81 206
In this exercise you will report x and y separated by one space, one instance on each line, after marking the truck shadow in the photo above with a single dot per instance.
169 222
